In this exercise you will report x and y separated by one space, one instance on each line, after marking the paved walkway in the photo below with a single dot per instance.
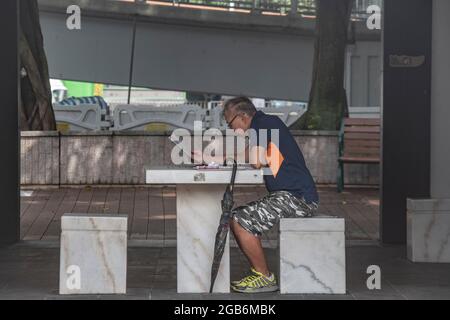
30 270
152 210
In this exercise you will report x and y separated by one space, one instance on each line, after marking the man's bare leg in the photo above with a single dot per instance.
251 247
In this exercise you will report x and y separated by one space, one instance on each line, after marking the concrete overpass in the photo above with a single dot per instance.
199 50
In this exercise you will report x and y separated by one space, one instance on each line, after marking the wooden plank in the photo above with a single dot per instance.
63 161
365 224
41 161
362 155
372 213
160 222
362 150
367 129
361 136
352 230
29 161
170 212
354 159
240 196
55 161
22 162
126 205
97 204
362 143
156 214
40 199
112 200
261 192
362 121
139 225
356 230
83 201
25 202
35 163
70 200
48 161
53 231
43 220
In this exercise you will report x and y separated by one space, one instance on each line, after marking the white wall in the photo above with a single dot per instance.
363 74
440 101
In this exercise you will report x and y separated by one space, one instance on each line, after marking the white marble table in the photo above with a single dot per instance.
199 192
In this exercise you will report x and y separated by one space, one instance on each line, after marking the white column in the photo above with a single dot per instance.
428 220
440 101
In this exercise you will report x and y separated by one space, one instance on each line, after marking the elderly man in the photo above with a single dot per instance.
292 192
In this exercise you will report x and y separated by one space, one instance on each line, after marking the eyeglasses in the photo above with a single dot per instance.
229 123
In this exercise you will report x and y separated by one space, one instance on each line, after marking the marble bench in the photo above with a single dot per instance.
428 230
93 257
312 255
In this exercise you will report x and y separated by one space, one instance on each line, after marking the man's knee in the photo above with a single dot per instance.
234 225
240 231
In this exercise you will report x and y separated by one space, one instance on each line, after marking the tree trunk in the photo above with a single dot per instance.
36 111
327 99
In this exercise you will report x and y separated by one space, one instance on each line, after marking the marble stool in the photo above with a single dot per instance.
428 230
93 258
312 255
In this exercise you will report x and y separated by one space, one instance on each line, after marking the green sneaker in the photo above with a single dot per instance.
251 272
255 283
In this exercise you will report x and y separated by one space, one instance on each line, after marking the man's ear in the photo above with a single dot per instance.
248 120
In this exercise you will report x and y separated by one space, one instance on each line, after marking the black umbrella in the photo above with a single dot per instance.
224 226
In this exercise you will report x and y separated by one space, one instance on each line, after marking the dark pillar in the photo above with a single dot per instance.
9 133
406 112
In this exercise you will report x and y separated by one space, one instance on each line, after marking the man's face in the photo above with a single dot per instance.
236 120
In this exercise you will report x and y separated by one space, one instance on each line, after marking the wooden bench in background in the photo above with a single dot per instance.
359 142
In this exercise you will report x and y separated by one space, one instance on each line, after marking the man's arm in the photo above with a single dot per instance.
257 155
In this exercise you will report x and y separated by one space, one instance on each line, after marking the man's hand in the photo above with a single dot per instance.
257 156
197 156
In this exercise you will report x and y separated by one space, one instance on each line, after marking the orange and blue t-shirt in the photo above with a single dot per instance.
288 171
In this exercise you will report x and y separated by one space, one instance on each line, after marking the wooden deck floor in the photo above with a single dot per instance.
152 210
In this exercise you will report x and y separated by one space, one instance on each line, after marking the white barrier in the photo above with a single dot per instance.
81 117
140 117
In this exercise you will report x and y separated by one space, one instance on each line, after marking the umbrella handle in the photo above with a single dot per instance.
233 175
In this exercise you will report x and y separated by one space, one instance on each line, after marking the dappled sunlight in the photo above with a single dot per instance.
73 159
120 154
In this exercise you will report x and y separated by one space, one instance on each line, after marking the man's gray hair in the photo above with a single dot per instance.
240 105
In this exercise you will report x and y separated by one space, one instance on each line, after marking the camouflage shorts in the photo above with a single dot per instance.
261 215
